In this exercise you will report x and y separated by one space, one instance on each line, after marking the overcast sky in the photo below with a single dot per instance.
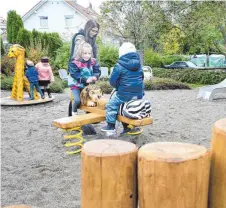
22 6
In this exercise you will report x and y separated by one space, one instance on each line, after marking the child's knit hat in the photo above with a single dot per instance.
125 48
29 63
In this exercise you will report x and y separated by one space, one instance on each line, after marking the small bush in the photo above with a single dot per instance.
164 84
154 59
105 87
6 82
56 87
7 65
108 55
62 56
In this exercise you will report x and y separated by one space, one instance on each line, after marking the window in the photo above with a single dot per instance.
69 20
44 22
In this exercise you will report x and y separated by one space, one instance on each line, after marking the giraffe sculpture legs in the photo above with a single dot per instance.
18 87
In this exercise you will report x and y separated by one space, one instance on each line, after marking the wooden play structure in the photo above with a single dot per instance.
173 175
169 174
217 196
109 174
20 81
95 115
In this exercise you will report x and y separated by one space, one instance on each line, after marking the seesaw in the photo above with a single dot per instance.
95 115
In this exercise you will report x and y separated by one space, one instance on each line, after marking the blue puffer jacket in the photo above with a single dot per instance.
32 74
127 77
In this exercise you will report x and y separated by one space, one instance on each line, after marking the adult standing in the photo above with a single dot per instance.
88 34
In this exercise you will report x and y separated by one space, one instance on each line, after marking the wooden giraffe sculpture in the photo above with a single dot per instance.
19 81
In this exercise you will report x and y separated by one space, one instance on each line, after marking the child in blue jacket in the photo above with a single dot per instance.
83 69
32 76
127 77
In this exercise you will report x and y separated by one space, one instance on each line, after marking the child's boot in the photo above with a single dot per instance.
110 128
49 94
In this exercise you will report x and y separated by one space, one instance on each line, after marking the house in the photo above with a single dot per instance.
3 29
61 16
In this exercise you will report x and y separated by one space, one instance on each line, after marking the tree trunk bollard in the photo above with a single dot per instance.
109 174
217 194
173 175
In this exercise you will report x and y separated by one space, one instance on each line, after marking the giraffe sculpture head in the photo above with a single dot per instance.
15 51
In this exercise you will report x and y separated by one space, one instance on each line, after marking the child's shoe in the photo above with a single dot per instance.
74 113
125 130
43 97
110 128
50 96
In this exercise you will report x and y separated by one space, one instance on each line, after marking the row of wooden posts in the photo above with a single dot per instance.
115 174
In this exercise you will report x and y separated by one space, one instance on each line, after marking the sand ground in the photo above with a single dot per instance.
35 169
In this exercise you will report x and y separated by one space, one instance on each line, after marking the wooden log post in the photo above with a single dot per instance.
217 194
109 174
173 175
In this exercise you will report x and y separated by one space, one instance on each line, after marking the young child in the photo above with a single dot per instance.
127 77
83 70
32 76
45 75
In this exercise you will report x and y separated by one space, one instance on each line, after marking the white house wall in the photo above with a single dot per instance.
55 11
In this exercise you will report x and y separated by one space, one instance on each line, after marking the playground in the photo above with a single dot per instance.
37 171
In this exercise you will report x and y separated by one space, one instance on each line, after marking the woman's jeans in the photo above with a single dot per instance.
36 85
76 102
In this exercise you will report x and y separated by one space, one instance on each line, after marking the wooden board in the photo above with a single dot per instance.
134 122
78 120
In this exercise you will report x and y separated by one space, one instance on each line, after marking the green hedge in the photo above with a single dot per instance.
57 87
190 75
154 84
154 59
165 84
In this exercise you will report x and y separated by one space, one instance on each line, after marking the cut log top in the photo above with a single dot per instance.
108 147
220 126
171 151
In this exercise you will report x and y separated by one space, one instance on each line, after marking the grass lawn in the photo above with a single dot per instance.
193 86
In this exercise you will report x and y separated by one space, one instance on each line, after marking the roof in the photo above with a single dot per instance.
89 13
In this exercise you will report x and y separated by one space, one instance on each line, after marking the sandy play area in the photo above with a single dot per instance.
35 169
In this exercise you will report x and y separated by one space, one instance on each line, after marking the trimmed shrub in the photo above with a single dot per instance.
154 84
24 38
62 56
7 65
108 55
6 82
154 59
2 48
105 87
164 84
191 75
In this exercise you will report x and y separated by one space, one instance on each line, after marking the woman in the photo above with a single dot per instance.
88 34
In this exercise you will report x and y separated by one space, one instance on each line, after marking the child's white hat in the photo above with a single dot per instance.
30 63
125 48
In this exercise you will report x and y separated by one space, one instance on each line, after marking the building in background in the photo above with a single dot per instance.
64 17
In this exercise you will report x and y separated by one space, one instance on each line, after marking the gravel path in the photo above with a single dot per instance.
35 169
